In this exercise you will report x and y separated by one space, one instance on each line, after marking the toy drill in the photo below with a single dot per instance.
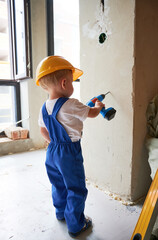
108 113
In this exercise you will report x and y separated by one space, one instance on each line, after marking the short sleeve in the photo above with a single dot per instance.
40 119
79 110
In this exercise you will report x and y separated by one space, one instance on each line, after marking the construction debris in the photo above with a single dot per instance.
15 133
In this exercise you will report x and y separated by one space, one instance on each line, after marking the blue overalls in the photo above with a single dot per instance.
64 164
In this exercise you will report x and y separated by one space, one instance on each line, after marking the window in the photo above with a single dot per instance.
15 57
65 32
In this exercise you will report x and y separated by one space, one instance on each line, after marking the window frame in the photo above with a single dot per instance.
28 44
50 27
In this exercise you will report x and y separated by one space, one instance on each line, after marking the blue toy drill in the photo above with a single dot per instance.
108 113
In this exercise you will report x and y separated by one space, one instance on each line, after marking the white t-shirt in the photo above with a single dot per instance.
71 116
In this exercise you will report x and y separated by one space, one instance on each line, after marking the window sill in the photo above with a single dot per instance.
9 146
5 139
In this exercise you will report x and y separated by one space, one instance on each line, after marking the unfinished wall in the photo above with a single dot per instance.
145 88
107 146
116 158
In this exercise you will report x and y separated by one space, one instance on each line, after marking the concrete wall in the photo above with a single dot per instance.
36 96
107 146
116 158
145 88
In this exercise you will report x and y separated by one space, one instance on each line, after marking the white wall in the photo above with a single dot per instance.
107 146
32 96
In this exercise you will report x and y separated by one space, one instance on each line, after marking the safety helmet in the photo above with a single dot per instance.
51 64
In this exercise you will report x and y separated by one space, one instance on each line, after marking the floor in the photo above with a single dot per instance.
26 211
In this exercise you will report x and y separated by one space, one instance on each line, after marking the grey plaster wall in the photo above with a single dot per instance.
145 88
116 158
107 146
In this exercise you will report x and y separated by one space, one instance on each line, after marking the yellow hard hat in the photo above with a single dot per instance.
51 64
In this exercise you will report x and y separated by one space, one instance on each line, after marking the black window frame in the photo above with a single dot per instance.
50 26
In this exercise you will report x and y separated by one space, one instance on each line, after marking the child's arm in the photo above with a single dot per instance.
45 134
94 111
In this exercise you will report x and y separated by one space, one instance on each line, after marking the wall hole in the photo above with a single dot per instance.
102 3
102 38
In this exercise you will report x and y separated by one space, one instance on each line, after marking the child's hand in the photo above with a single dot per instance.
99 104
94 111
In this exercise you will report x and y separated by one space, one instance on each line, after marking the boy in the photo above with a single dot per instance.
61 123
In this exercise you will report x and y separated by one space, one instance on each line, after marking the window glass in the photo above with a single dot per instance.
7 114
5 70
66 30
66 34
7 103
20 38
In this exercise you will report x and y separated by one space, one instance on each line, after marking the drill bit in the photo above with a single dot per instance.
103 95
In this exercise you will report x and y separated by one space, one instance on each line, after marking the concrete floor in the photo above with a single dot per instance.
26 211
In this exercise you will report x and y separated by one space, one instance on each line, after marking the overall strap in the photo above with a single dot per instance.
58 105
44 110
56 131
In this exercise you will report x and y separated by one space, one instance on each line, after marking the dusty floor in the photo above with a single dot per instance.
26 211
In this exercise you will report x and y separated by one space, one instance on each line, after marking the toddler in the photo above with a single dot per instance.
61 123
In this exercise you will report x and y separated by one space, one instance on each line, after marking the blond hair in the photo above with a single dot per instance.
53 78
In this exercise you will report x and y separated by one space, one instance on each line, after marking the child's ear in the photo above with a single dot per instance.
63 83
